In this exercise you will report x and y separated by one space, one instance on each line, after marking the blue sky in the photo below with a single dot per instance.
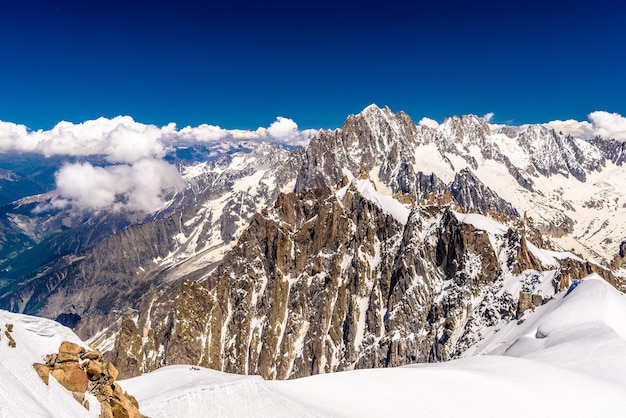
240 64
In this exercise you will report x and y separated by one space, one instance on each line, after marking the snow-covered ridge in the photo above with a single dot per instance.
388 204
482 222
581 329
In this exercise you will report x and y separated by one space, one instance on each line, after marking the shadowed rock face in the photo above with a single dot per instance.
324 282
474 196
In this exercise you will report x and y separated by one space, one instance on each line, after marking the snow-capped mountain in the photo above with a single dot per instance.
355 251
572 187
332 280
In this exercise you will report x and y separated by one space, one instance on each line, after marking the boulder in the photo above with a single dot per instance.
63 357
93 370
51 359
91 355
67 369
11 340
79 396
525 303
112 371
71 376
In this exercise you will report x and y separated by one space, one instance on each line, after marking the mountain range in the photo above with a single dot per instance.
382 243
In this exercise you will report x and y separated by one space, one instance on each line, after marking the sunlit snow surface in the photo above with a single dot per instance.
568 358
22 393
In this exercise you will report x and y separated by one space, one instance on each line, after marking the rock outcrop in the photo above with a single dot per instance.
80 371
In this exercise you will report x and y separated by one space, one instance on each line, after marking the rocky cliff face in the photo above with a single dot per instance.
331 280
474 196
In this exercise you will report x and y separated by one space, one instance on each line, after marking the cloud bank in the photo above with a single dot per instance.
601 123
141 186
123 140
136 178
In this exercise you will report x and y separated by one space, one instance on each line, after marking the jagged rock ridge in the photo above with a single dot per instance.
327 281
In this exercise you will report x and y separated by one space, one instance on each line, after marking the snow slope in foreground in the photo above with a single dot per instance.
22 392
568 358
583 329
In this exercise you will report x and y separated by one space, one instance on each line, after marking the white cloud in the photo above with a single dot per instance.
122 140
572 127
283 130
609 125
605 124
431 123
488 116
140 186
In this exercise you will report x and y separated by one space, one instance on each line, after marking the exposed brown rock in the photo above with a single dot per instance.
93 370
133 401
105 410
405 199
43 371
94 374
51 359
79 396
10 338
91 355
9 327
70 348
63 357
112 371
527 301
71 376
562 282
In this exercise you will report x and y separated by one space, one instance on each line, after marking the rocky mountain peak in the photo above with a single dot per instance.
469 128
328 280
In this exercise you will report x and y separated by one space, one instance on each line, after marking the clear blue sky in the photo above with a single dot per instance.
239 64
